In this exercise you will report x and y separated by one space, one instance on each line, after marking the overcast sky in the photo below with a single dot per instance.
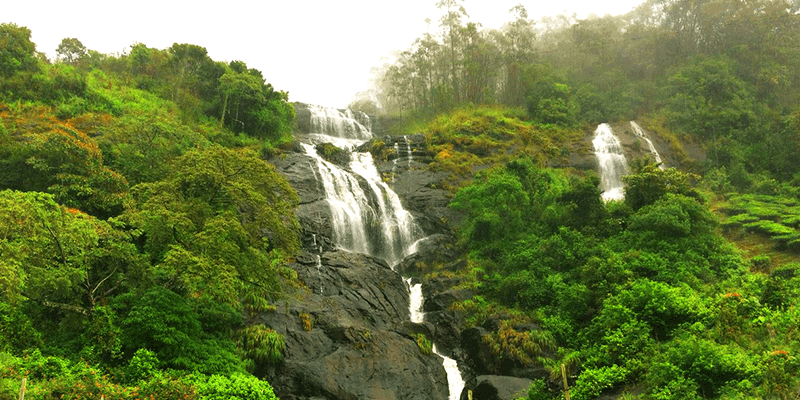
320 51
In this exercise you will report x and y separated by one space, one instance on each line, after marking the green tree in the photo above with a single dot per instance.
221 223
17 52
647 183
494 207
164 322
251 106
70 51
60 257
451 24
707 99
69 164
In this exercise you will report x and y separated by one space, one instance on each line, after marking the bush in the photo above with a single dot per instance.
592 382
425 346
233 387
261 344
142 366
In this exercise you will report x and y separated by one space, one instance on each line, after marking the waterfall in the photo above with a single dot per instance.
340 123
319 273
370 218
349 207
640 132
609 154
455 382
415 303
398 227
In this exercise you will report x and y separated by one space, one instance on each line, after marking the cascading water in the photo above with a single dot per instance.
399 229
613 167
355 214
344 124
319 273
349 207
455 382
401 153
415 303
640 132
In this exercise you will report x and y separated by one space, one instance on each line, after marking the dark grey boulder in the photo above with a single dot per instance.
496 387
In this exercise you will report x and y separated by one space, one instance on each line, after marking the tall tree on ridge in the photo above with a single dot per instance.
451 22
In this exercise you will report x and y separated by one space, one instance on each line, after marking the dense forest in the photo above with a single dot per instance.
139 223
686 289
141 227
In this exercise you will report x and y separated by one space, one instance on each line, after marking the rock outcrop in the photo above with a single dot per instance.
347 332
494 387
347 335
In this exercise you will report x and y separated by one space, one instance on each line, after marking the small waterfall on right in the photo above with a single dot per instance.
640 132
454 380
613 167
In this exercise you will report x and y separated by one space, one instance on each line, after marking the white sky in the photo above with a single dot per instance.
320 51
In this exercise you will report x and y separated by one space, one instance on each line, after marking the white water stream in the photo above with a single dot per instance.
640 132
613 167
455 382
381 226
341 123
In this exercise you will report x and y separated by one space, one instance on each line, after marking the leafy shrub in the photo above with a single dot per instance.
306 320
16 330
142 366
710 365
261 344
662 307
71 108
425 346
162 321
594 381
333 154
233 387
538 391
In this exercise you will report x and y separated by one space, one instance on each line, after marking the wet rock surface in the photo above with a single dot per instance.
348 335
347 332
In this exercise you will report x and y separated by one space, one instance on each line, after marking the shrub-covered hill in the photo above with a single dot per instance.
647 297
139 222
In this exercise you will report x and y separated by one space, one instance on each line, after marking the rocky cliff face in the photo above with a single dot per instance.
348 334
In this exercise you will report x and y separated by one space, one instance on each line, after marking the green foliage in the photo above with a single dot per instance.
775 217
519 348
709 100
425 346
70 50
662 307
710 365
252 106
538 391
59 256
16 330
494 206
261 344
142 366
17 52
592 382
647 183
330 152
141 286
233 387
162 321
551 102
